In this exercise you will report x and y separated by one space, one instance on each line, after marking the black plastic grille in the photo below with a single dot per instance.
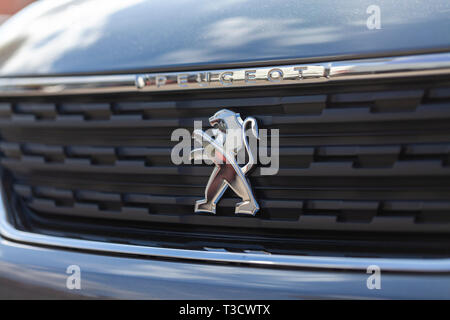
354 159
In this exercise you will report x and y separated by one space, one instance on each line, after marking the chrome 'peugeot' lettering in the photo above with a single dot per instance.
230 78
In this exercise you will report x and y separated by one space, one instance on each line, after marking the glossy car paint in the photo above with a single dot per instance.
63 37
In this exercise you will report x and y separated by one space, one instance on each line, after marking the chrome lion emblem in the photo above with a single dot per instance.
229 139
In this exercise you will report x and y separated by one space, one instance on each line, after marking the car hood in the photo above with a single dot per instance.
73 37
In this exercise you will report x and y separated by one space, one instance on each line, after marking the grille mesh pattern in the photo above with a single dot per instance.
360 157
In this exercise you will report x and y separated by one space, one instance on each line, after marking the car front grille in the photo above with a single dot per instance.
364 169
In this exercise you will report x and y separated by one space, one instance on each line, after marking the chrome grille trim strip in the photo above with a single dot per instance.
386 67
260 259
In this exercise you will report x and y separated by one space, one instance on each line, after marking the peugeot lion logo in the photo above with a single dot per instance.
222 151
231 145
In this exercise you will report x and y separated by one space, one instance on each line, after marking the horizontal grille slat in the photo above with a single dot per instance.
330 169
354 160
96 204
17 150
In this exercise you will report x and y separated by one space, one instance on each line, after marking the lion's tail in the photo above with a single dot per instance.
254 128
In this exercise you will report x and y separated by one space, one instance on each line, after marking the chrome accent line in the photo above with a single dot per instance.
227 143
386 67
260 259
